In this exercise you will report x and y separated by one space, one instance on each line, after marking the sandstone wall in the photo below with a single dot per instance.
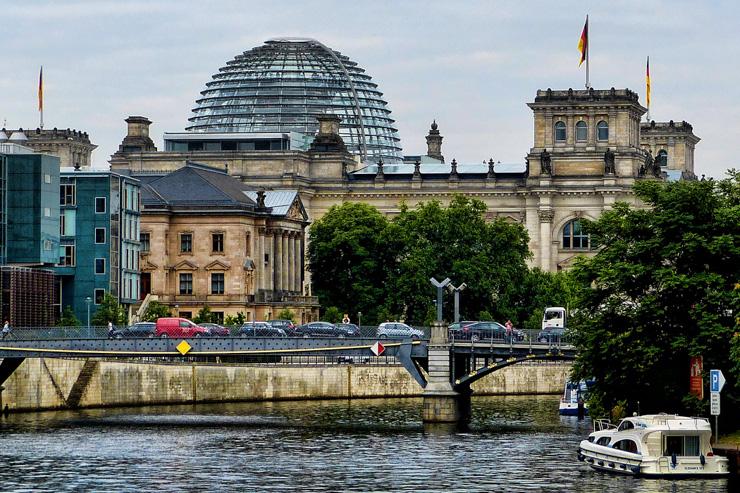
59 383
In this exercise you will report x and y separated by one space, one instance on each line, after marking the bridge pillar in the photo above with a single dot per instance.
441 404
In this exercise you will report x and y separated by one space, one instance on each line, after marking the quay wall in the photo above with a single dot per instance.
41 384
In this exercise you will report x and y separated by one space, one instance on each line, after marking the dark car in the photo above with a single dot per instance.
551 335
140 329
286 325
319 329
216 330
260 329
351 330
489 330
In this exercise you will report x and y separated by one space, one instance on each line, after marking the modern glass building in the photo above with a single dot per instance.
284 84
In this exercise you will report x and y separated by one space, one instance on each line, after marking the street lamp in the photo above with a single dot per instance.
88 300
457 290
359 320
440 286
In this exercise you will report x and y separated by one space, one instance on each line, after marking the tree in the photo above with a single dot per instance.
455 242
204 315
109 310
662 288
237 319
333 315
286 314
155 310
68 318
346 258
537 291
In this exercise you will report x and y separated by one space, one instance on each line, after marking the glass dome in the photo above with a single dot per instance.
282 85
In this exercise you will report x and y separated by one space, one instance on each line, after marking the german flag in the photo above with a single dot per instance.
583 43
41 89
647 82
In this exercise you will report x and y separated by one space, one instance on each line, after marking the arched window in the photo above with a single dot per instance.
627 445
662 158
573 236
602 130
581 131
559 131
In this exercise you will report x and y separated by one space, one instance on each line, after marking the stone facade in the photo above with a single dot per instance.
594 165
72 147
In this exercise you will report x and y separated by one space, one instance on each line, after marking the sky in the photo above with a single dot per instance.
471 65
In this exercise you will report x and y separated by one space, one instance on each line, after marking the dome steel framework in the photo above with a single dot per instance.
284 84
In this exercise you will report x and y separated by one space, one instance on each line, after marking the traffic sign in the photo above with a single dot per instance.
714 403
377 349
716 380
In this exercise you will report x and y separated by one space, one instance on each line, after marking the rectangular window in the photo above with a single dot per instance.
217 283
186 283
248 247
99 296
47 212
186 243
217 242
47 178
217 317
187 315
61 225
99 205
67 194
100 266
99 235
67 255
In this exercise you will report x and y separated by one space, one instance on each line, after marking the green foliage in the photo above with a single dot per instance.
347 258
204 315
154 311
332 314
68 318
237 319
485 315
109 311
286 314
662 289
540 290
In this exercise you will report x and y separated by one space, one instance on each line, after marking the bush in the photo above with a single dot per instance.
237 319
333 314
155 310
68 318
286 314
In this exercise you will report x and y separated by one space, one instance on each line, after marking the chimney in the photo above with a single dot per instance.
138 126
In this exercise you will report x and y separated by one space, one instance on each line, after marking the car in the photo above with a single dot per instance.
139 329
398 330
216 330
351 330
287 325
320 329
178 327
489 330
551 335
260 329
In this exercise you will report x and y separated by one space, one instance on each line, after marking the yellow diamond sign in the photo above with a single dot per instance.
184 347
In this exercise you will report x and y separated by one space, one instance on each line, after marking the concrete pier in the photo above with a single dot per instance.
442 404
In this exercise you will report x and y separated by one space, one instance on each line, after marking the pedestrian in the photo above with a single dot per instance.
110 330
509 329
6 329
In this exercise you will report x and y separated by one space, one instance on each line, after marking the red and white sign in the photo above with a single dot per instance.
377 349
696 385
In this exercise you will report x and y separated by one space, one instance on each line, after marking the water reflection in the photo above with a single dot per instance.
516 443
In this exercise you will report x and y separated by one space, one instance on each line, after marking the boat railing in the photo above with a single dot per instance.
603 424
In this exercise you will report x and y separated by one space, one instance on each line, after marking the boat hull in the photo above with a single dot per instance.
570 409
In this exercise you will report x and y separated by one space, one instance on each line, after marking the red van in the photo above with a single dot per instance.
178 327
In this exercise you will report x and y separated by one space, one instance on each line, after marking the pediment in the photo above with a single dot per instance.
297 212
148 266
185 265
218 265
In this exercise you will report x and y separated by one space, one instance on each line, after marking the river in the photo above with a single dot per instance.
513 443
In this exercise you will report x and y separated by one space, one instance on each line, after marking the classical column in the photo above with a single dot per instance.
286 264
298 262
278 272
259 260
546 216
291 262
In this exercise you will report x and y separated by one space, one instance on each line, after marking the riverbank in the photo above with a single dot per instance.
45 384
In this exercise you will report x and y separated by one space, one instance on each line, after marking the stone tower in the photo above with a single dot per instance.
672 144
434 143
137 138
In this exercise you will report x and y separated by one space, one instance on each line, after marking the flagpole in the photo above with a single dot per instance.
588 51
41 98
648 83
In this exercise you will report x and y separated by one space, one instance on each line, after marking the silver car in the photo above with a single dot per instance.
397 330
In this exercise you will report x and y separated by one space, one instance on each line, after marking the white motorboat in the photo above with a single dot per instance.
572 393
653 445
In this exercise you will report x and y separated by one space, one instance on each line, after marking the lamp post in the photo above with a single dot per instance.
359 320
88 300
440 286
457 290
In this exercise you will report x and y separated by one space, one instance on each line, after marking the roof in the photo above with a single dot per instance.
279 201
441 168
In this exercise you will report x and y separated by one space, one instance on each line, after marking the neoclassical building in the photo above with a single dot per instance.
208 239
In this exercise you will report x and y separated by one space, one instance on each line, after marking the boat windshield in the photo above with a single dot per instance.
626 425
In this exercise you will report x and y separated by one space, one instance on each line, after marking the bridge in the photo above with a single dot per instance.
445 369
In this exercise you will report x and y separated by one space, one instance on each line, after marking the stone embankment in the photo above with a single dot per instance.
40 384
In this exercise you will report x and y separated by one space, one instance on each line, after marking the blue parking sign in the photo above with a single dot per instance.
716 380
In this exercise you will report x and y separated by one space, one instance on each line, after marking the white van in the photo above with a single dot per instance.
554 318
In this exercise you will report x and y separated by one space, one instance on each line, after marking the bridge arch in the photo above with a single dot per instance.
463 383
